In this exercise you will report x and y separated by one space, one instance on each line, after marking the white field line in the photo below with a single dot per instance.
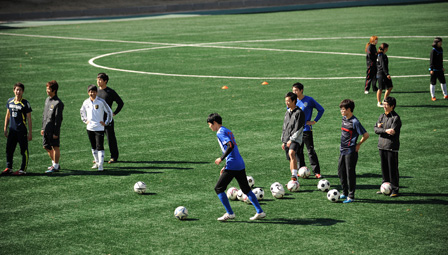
210 45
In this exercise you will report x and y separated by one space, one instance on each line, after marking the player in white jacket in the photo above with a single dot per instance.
92 114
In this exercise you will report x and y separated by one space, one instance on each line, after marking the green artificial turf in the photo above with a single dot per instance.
164 139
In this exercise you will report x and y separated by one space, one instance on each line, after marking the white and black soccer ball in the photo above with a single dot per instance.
240 195
323 185
304 172
251 181
259 193
231 193
333 195
181 213
140 187
386 188
277 190
293 186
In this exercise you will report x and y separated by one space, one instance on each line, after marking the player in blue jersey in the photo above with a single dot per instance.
307 104
351 129
18 115
234 168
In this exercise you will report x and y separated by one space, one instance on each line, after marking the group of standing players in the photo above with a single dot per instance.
95 112
378 69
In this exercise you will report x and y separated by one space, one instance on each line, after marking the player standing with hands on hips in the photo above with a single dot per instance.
110 96
18 114
234 168
436 68
92 113
307 104
51 125
388 128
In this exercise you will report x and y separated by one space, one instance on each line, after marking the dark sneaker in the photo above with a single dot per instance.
52 169
7 171
19 172
294 177
318 176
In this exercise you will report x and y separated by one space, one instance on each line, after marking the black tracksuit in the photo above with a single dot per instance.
371 68
436 65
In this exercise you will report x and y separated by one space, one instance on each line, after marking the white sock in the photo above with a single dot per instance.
294 172
444 89
95 155
432 88
56 165
101 159
52 162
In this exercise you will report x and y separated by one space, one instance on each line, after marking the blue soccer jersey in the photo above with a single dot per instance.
351 129
18 111
234 161
306 105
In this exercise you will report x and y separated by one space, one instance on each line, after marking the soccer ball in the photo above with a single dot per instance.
293 186
277 190
140 187
333 195
231 193
304 172
251 181
323 185
259 193
181 213
240 195
386 188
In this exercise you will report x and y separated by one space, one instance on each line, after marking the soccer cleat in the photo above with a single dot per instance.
19 172
379 104
52 169
445 97
318 176
112 161
394 195
343 196
349 200
433 99
7 171
258 216
366 92
95 165
294 177
379 192
227 216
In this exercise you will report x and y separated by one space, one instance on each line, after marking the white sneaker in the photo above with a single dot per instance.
95 165
379 104
258 216
366 92
227 216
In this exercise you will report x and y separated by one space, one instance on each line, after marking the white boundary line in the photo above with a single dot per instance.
210 45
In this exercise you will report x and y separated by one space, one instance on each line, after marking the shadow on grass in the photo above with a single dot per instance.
318 222
70 172
428 199
367 175
161 162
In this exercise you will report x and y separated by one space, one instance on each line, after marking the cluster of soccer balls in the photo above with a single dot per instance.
237 194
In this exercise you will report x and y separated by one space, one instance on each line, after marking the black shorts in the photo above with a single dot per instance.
49 142
96 139
440 75
384 83
295 147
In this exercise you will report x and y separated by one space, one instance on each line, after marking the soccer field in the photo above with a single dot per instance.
169 72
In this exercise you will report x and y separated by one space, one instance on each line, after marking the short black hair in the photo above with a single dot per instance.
298 85
214 117
347 104
292 96
391 101
91 87
436 41
103 76
20 85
